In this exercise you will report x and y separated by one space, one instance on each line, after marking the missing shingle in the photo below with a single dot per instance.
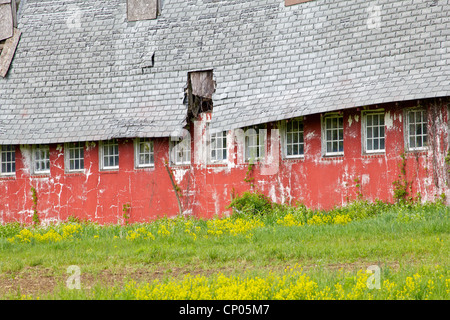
433 3
149 64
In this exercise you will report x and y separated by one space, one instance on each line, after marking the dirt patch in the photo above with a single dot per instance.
39 281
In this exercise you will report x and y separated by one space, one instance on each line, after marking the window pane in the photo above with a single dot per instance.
289 150
419 141
382 144
412 143
369 144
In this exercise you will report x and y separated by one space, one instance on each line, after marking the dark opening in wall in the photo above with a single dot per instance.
198 95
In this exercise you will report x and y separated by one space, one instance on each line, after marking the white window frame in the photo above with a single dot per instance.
11 163
364 129
108 143
147 142
183 146
424 118
43 149
255 134
299 143
325 130
68 147
213 147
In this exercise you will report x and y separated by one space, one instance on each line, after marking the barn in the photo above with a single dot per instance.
167 107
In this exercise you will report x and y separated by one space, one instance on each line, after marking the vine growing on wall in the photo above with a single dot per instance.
401 185
34 196
248 178
176 188
126 212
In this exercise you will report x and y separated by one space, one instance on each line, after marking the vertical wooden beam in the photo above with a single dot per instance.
6 20
8 52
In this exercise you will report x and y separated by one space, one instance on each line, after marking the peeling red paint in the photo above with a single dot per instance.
314 180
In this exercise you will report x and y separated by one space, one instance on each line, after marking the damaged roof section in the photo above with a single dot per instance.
9 34
200 89
98 75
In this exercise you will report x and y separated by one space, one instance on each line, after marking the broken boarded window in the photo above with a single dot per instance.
200 89
143 9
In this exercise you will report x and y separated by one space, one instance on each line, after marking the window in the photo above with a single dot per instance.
144 153
255 143
109 158
294 138
7 160
218 147
181 151
333 135
41 158
416 129
74 156
374 140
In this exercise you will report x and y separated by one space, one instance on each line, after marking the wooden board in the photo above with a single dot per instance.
202 83
6 19
8 52
142 9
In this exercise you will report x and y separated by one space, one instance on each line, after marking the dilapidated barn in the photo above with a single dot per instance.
162 106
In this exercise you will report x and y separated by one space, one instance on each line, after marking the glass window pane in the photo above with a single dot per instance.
289 150
412 143
419 141
369 144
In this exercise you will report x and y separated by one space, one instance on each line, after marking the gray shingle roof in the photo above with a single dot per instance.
79 70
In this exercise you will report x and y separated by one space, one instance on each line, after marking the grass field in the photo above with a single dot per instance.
265 251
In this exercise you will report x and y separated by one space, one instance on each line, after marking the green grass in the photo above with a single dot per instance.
400 239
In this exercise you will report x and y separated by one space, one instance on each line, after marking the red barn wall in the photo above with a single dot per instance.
316 181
